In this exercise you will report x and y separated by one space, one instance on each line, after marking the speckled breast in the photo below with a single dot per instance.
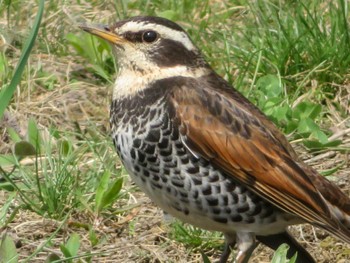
190 188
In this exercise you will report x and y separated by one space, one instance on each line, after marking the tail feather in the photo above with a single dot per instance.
274 241
337 202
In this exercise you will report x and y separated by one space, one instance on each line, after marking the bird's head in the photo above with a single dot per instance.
148 42
152 48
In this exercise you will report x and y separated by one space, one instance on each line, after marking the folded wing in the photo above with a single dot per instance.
223 127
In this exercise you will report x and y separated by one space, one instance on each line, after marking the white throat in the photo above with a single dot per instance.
129 82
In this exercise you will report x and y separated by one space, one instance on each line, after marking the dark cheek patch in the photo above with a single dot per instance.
171 53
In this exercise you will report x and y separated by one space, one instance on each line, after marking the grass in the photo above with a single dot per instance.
7 91
59 172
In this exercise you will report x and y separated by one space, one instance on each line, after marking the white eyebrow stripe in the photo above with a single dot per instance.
163 31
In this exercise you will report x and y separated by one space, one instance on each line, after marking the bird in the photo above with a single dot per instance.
203 152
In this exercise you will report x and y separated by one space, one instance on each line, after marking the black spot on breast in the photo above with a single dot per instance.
152 159
164 179
243 208
155 177
144 164
177 182
230 186
137 143
185 159
184 194
166 132
206 190
156 185
222 220
173 164
212 201
150 148
216 210
196 181
165 152
164 143
234 198
213 178
145 173
132 153
193 170
175 135
153 135
141 156
236 218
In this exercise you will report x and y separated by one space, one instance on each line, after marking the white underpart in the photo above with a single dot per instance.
163 31
130 82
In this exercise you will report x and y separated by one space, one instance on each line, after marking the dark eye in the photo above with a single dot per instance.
149 36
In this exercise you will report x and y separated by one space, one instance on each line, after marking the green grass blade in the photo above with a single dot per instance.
8 253
7 91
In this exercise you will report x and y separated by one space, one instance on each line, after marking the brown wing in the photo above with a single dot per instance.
223 127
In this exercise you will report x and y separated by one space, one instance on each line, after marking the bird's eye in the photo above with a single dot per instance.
149 36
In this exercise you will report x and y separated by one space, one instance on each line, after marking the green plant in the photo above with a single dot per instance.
107 192
299 119
8 253
293 37
194 237
97 52
7 91
51 185
71 247
280 256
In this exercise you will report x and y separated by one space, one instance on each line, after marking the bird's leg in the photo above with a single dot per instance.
246 244
230 242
